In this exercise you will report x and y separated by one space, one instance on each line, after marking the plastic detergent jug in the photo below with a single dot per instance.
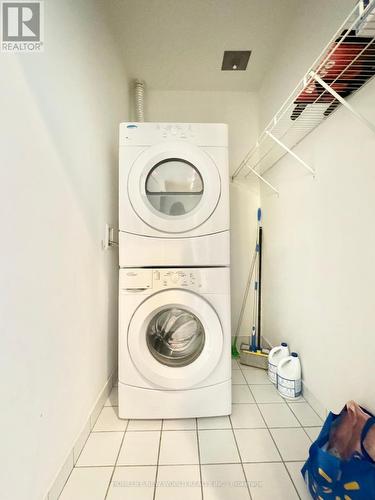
275 356
289 383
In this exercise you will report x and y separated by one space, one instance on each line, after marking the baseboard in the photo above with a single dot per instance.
314 402
64 472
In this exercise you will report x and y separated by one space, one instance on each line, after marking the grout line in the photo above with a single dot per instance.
279 452
135 466
199 458
295 487
291 409
84 444
157 460
114 468
94 466
277 448
75 464
316 413
240 457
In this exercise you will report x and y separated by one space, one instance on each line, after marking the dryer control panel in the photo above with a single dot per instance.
148 133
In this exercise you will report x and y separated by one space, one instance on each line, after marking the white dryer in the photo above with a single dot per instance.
174 343
174 195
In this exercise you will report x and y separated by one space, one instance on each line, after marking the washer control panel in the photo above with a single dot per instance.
143 280
170 278
146 281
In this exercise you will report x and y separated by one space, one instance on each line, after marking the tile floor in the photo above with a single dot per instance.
255 454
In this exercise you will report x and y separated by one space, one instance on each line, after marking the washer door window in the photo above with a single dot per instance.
174 187
175 339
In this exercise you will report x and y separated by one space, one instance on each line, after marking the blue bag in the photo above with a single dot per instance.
329 477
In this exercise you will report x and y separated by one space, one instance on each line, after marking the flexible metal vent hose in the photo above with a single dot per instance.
139 88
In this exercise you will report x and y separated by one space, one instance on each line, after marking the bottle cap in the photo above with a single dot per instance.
284 344
294 354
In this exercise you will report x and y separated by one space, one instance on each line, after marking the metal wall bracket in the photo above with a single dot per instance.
342 101
292 153
262 179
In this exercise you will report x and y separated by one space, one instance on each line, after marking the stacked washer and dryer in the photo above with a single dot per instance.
174 292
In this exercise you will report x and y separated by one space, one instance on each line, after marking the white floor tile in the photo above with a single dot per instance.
112 399
266 394
246 416
293 444
305 414
101 448
313 432
242 394
140 448
144 425
178 447
214 423
132 483
294 469
269 482
237 377
181 424
217 446
180 482
256 376
235 365
221 482
108 420
256 445
278 415
89 483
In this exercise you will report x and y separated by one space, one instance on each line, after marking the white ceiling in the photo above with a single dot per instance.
179 44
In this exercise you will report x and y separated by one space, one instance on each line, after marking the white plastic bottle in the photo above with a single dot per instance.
275 356
289 383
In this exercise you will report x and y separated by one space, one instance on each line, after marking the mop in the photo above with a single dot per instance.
235 353
252 354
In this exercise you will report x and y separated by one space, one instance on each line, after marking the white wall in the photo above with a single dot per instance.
58 302
319 272
240 111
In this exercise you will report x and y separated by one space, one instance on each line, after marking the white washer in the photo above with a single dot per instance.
174 343
174 195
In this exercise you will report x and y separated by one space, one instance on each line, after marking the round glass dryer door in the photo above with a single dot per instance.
175 339
174 187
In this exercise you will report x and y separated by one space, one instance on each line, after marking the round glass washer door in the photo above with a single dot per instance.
174 187
175 336
175 339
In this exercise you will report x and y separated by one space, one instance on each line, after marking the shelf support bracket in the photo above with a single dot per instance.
342 101
262 179
292 153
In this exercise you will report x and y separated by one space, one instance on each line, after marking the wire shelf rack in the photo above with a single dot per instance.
345 65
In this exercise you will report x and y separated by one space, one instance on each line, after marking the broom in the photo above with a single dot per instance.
235 353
